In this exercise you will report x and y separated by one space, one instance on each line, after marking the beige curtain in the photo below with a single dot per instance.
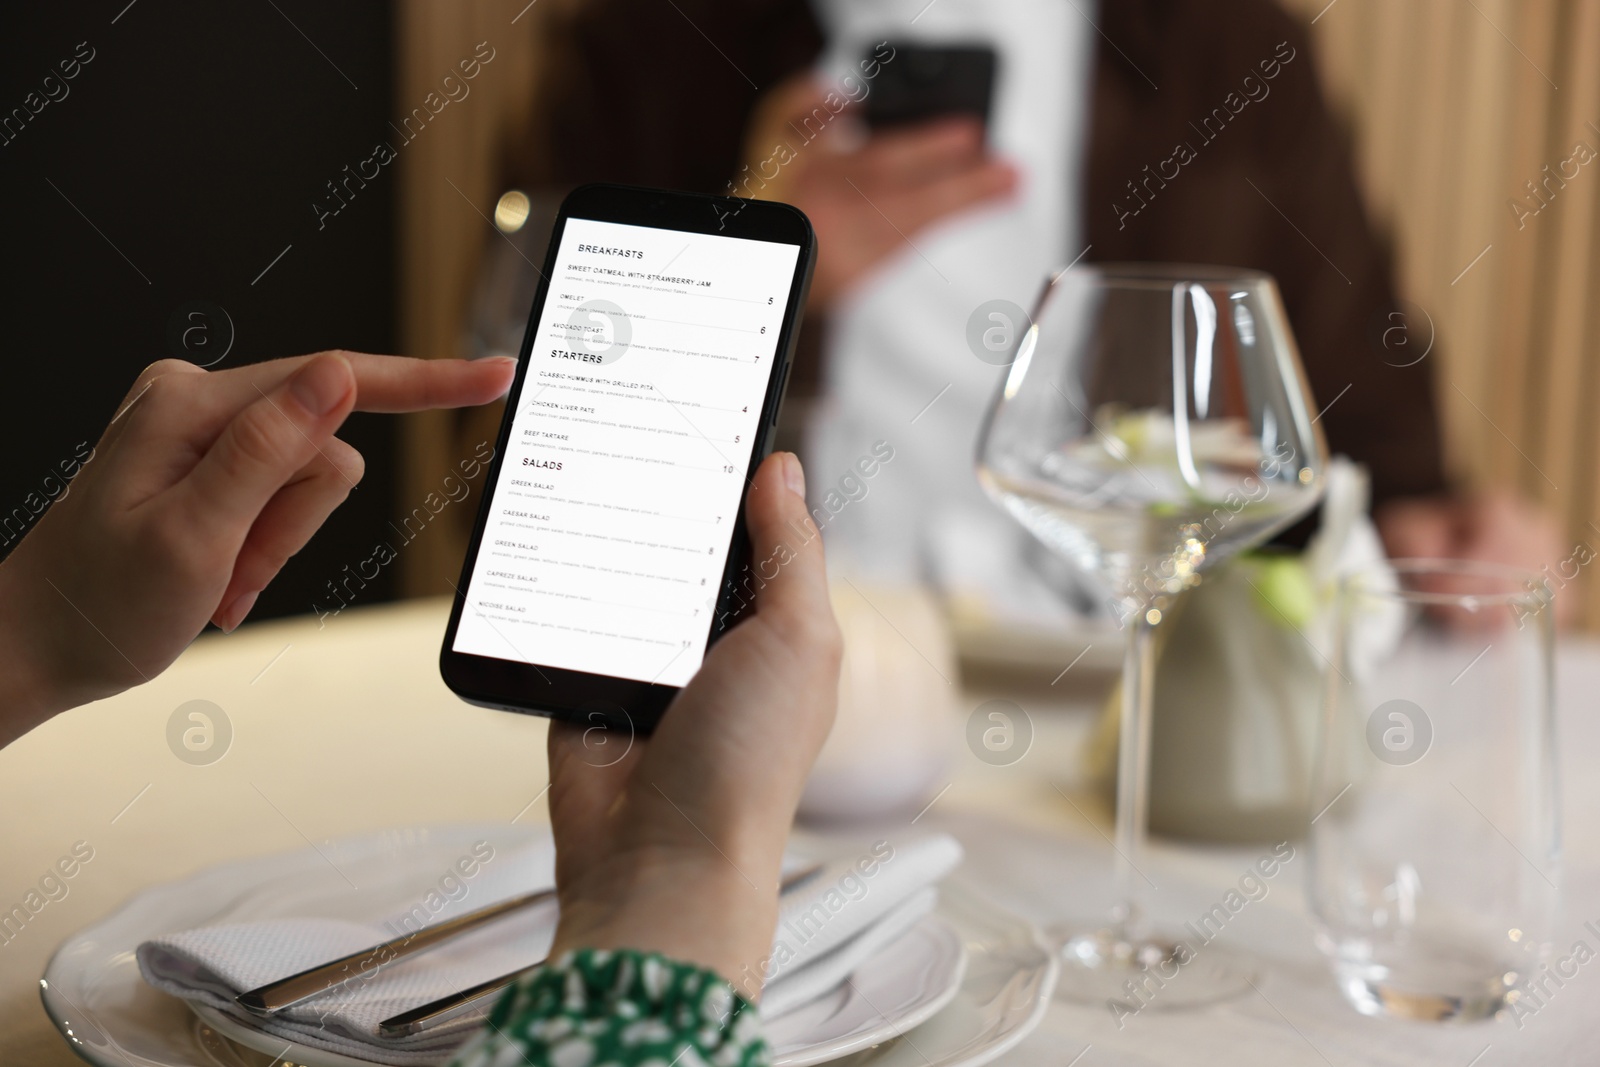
447 193
1477 128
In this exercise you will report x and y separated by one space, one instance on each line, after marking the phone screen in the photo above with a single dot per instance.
609 528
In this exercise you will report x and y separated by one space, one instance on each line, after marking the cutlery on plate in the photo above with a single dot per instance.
480 996
275 996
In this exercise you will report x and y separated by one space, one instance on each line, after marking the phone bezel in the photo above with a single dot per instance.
531 688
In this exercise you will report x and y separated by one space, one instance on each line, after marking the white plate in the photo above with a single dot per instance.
94 994
901 987
1004 994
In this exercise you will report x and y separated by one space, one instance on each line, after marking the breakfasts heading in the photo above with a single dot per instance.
602 250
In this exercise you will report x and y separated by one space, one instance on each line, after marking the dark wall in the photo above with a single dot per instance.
191 147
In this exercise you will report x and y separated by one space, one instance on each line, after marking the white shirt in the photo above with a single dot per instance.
899 368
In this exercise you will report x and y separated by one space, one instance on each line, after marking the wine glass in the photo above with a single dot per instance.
1154 420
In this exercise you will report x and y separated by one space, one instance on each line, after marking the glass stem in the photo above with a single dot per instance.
1133 776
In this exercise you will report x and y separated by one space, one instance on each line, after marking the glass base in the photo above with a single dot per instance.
1433 975
1377 998
1371 991
1154 973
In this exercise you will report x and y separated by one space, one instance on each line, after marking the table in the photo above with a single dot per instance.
344 727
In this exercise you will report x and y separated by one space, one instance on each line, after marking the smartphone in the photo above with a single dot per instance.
925 82
610 541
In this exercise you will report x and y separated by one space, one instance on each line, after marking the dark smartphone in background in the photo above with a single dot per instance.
610 542
925 82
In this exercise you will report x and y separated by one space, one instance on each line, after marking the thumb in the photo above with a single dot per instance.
266 444
780 117
786 552
799 97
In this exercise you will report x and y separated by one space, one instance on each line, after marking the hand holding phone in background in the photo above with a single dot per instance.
867 191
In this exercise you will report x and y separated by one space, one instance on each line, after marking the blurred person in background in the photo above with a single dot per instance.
1141 130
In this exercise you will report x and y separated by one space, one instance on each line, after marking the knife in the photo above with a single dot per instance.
274 997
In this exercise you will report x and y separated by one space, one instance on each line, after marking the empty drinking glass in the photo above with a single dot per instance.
1435 836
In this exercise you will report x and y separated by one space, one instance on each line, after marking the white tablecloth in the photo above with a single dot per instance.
346 728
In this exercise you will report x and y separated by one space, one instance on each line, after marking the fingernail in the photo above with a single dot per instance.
793 475
236 612
511 360
322 384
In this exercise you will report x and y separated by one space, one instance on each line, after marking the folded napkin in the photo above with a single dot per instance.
855 905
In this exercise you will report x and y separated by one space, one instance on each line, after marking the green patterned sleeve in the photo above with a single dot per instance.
596 1008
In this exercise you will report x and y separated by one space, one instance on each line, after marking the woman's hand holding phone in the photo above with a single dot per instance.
202 487
676 846
205 484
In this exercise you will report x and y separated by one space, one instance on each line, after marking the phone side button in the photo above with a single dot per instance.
784 385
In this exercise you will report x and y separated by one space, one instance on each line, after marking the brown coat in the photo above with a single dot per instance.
659 94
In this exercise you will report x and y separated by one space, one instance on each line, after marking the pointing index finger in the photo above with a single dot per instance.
396 383
391 383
